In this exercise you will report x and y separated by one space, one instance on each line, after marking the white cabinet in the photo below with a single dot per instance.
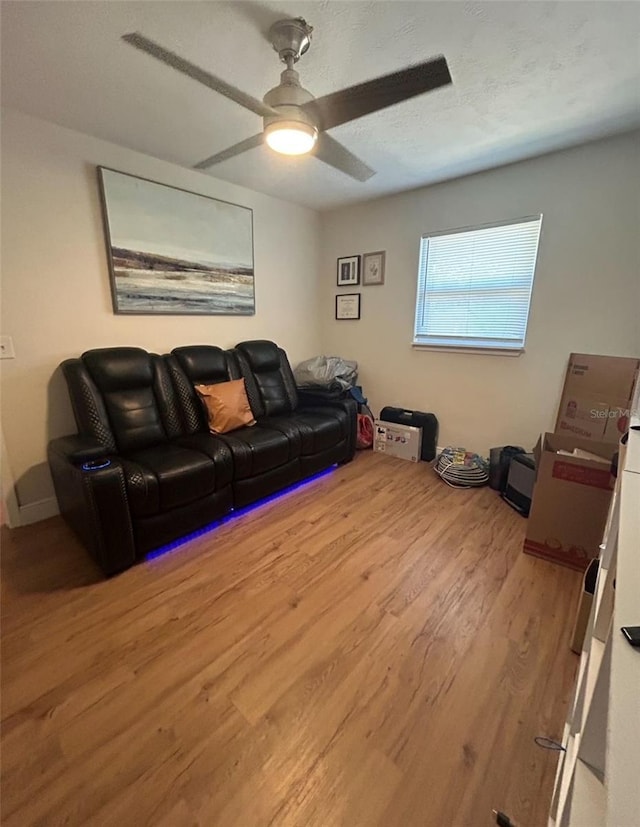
597 783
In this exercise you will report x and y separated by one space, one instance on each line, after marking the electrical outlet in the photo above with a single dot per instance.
6 348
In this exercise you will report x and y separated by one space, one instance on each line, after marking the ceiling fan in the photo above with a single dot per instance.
294 122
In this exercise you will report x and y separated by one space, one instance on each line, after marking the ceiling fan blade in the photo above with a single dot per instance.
373 95
231 152
143 43
337 156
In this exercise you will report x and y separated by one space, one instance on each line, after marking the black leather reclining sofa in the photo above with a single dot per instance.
144 470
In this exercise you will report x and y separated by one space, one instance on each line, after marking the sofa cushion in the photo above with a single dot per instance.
258 450
167 476
270 384
135 418
227 406
129 380
198 365
252 451
315 429
319 430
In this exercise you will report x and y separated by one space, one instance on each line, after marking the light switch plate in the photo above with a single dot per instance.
6 348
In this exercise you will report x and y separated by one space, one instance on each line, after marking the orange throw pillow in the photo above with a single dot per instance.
227 406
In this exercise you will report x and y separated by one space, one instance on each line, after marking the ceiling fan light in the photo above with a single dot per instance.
291 137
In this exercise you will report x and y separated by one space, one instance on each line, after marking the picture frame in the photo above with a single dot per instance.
348 306
373 266
175 252
348 273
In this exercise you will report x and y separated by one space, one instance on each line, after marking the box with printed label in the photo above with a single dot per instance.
403 441
571 499
596 398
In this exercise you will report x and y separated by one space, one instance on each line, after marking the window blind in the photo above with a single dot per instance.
474 286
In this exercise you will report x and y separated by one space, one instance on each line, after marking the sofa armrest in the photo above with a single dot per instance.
314 400
92 495
314 396
79 449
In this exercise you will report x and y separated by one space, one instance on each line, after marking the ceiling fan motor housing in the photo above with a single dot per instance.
287 99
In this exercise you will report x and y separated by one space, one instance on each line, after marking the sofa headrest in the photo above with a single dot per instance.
119 368
203 364
261 354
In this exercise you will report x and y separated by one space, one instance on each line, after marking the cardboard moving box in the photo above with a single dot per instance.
571 500
596 398
573 490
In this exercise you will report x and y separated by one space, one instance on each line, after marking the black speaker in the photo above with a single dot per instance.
499 462
518 491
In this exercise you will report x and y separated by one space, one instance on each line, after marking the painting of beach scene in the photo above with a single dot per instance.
176 252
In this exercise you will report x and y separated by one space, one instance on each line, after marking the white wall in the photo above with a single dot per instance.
56 297
586 296
55 281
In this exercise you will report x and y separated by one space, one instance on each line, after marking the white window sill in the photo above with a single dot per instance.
480 351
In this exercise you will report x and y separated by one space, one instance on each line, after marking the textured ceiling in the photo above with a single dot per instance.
528 77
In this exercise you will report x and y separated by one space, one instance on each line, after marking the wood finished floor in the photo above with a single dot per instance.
372 650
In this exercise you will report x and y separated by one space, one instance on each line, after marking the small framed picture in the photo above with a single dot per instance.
348 271
348 306
373 267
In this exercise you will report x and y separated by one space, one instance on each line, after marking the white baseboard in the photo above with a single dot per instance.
39 510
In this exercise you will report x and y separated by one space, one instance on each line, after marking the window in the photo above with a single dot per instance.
474 286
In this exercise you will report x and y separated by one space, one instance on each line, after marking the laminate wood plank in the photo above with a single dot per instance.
371 650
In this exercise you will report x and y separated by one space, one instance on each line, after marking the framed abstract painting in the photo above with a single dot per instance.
175 252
